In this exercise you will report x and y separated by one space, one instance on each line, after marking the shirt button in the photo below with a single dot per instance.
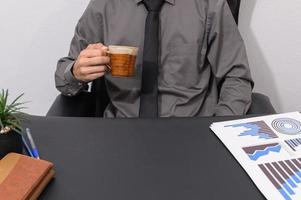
69 94
80 84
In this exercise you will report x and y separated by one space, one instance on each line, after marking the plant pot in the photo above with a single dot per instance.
10 142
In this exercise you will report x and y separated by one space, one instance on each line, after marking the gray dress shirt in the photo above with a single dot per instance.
204 68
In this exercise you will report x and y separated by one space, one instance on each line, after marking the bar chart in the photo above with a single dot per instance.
294 143
257 129
284 175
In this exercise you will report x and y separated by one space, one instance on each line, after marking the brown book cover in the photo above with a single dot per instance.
21 175
39 189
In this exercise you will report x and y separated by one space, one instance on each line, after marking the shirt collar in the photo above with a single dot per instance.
172 2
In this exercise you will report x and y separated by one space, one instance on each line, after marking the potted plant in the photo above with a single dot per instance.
10 124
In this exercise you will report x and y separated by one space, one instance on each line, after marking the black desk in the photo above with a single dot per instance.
134 159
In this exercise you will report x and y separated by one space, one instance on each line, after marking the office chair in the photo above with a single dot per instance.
84 104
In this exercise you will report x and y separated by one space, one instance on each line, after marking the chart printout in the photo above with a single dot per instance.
269 149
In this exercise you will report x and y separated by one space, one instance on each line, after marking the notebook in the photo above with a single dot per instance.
23 177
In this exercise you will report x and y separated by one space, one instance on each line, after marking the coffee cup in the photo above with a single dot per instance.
122 60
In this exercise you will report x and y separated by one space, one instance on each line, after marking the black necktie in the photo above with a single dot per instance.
149 87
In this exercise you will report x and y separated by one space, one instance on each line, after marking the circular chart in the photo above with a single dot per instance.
287 126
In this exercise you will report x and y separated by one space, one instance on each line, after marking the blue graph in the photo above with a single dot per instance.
255 152
284 175
257 129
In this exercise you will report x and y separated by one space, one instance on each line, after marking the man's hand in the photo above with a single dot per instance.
91 63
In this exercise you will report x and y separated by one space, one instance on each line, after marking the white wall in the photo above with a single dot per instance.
35 33
272 32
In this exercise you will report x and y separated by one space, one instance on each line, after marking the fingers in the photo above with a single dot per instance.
91 63
90 53
102 60
99 46
92 70
94 50
88 74
95 46
94 76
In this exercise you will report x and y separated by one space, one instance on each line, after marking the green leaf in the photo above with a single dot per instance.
16 105
2 100
12 108
14 124
16 99
16 110
17 130
1 124
5 97
10 114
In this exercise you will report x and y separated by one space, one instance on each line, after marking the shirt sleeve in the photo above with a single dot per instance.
228 58
88 31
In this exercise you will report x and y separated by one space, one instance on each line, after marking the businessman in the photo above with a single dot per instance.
191 62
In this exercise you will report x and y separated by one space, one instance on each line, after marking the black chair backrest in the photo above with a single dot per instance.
99 86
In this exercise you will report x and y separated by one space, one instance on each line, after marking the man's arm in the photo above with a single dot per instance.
88 31
228 58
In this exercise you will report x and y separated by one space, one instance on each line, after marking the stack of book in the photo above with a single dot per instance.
23 177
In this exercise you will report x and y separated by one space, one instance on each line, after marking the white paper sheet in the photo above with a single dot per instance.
269 149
